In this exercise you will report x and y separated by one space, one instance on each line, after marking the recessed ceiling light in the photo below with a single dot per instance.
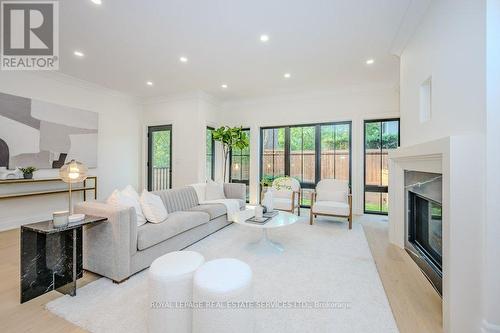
183 59
370 61
223 86
264 38
79 54
149 83
287 75
97 2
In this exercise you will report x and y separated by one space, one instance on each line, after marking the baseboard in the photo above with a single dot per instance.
487 327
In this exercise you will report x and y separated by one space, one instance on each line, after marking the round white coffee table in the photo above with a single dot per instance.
283 219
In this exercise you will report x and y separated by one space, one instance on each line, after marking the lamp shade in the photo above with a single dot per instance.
73 172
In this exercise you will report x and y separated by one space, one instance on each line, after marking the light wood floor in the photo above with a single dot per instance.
415 305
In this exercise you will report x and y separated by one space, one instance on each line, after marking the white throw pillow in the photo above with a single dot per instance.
153 207
200 189
214 191
128 197
336 196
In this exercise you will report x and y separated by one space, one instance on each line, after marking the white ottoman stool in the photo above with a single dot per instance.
170 279
223 280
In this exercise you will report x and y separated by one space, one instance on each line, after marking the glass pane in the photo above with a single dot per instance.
160 178
245 167
342 165
273 147
373 168
342 141
372 201
236 168
372 135
302 153
306 197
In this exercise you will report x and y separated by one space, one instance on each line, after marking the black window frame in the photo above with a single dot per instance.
212 154
375 188
149 163
304 185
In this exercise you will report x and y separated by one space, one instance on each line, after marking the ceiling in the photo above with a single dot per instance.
323 44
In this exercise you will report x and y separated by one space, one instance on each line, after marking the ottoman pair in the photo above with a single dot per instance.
187 294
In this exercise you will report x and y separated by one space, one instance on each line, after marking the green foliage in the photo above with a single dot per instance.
28 170
161 149
230 138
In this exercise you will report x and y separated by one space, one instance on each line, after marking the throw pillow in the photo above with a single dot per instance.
153 207
128 197
214 191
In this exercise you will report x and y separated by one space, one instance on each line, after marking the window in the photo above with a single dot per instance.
210 151
380 137
159 157
240 165
308 153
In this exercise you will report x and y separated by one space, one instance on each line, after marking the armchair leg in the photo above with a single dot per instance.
299 210
350 222
311 219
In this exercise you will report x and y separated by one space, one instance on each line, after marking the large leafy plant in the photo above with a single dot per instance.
230 137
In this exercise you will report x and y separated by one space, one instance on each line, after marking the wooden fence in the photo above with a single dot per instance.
333 165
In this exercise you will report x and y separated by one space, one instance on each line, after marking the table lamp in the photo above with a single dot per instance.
73 172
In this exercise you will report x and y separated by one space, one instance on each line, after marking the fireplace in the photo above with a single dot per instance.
424 223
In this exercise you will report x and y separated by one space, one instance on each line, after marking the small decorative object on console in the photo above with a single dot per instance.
71 173
60 219
28 172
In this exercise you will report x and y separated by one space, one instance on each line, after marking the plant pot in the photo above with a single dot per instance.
28 175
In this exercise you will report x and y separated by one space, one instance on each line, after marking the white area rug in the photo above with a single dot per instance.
323 262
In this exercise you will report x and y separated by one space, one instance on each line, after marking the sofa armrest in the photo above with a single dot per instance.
235 191
108 246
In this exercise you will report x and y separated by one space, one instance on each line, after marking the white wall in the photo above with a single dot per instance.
189 116
491 289
118 140
354 104
448 46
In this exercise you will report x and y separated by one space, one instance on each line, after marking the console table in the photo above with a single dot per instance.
18 194
51 258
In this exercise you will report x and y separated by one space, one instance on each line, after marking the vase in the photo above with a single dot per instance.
28 175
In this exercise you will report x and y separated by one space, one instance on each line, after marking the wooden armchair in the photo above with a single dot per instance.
286 194
332 198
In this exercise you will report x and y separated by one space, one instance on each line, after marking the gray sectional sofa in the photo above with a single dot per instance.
119 248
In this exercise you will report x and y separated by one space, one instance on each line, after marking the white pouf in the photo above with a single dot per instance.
170 280
217 282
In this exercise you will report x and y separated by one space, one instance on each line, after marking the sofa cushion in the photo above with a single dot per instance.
331 207
151 234
214 210
178 199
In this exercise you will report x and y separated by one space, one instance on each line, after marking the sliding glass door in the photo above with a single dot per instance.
159 157
308 153
380 137
239 171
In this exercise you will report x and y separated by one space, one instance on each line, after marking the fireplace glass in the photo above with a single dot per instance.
427 228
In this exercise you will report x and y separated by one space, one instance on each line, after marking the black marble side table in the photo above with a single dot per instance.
51 258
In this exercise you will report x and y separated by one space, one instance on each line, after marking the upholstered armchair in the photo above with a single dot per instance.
332 198
286 194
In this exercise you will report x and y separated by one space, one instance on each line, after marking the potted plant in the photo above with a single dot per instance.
230 137
28 172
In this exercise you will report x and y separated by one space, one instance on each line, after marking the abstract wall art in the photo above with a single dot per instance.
45 135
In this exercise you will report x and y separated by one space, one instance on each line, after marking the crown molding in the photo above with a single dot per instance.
409 24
